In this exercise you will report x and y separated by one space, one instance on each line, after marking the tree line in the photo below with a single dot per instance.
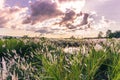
111 34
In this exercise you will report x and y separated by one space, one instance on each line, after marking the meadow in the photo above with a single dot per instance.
46 59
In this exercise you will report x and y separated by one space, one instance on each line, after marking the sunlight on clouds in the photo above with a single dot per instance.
2 4
75 5
61 18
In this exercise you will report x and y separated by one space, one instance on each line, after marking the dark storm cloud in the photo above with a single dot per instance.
42 10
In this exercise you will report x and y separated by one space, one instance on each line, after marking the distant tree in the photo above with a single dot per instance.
115 34
108 32
100 34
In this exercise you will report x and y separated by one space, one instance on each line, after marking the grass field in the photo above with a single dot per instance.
45 59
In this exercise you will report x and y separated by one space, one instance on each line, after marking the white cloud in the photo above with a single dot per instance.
2 4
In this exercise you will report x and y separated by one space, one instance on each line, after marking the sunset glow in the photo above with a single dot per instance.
59 17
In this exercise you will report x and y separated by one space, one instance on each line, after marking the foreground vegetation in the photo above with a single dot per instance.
43 59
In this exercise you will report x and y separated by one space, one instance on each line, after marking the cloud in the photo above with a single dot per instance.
42 10
65 10
49 30
69 16
2 4
71 20
85 19
104 23
12 17
75 5
2 22
44 30
42 14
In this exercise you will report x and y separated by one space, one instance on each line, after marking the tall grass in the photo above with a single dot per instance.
95 65
27 59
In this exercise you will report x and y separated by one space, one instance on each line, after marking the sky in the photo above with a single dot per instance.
58 18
